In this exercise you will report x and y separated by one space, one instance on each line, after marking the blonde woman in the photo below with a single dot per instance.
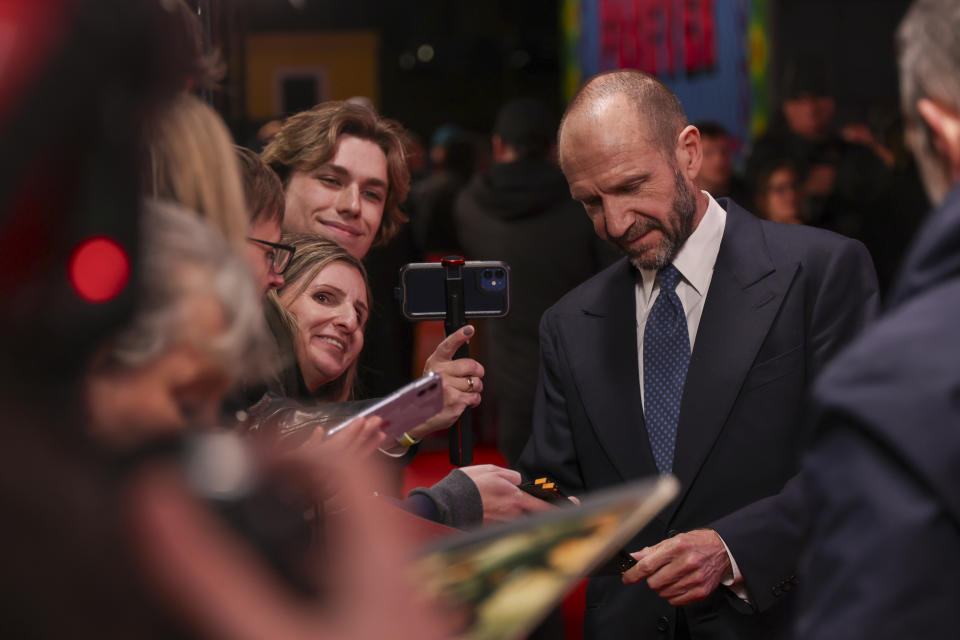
318 317
191 160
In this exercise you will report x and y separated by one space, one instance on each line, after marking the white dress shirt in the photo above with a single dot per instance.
695 262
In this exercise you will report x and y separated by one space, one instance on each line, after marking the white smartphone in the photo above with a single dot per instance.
405 408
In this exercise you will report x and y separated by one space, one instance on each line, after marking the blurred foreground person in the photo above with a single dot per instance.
191 160
883 479
71 174
71 567
198 329
78 537
204 574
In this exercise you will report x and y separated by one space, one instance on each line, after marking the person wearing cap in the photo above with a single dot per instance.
523 202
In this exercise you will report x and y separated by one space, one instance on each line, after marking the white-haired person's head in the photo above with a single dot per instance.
198 328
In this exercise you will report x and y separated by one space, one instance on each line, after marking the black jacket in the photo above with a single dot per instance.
883 479
783 300
522 213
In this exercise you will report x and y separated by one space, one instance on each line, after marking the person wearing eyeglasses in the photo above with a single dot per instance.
268 258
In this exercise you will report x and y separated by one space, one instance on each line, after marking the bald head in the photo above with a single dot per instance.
658 110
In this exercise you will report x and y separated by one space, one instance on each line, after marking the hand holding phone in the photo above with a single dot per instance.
405 408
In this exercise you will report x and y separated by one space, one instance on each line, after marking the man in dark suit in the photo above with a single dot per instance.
883 477
691 356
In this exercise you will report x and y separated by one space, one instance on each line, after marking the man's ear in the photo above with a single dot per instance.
689 152
944 124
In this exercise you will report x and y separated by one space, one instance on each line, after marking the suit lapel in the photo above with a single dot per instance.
744 296
606 332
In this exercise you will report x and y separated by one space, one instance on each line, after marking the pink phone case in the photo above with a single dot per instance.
405 408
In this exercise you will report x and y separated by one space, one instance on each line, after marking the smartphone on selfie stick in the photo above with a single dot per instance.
454 290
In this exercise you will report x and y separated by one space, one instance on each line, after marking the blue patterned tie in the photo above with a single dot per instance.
666 356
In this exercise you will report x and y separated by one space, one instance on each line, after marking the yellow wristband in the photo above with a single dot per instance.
406 440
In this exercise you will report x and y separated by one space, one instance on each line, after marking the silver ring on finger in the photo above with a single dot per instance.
469 383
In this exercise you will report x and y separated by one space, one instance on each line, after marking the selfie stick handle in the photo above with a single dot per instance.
461 434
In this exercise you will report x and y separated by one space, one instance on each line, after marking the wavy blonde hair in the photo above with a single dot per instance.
192 161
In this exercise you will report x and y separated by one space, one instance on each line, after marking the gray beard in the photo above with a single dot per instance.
675 234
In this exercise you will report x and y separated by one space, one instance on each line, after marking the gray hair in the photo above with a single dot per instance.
657 106
929 56
183 257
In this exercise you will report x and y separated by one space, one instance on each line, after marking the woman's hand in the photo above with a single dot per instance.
323 459
462 381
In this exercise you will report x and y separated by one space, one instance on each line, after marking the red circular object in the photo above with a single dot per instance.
99 269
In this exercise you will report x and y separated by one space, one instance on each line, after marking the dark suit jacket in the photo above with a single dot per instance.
883 480
783 299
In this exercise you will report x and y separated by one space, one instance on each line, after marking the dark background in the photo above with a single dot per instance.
491 50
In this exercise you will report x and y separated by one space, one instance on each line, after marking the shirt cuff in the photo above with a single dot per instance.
735 582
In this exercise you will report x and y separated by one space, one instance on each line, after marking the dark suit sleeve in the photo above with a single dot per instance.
766 537
843 296
550 450
881 549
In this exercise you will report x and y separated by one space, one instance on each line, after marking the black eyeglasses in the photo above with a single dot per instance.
279 254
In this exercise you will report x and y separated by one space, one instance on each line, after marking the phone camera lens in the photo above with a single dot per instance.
487 273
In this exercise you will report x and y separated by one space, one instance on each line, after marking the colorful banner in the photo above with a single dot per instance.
714 54
699 44
570 29
638 34
758 56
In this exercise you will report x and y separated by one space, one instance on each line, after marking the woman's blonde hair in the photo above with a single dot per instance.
311 255
192 161
309 139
